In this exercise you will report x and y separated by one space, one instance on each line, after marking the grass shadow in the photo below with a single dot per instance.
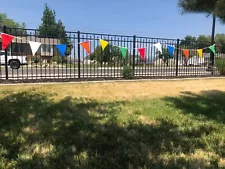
37 132
209 105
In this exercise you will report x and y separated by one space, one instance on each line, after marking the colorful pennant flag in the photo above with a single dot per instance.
186 53
34 47
212 48
103 44
86 46
123 51
171 50
200 53
6 40
62 48
158 46
142 52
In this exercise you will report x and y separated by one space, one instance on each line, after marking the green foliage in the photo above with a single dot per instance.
220 65
208 7
165 56
58 59
128 72
52 29
5 21
188 41
36 59
220 40
111 54
48 27
203 41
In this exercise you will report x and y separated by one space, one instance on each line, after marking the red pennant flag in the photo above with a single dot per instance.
6 40
186 53
142 52
86 46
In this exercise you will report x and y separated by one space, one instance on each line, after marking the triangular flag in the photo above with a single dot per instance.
62 48
200 53
6 40
34 46
103 44
171 50
142 52
86 46
186 53
212 48
124 52
158 46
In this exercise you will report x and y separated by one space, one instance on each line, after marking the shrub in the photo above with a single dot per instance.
127 72
220 64
36 59
58 59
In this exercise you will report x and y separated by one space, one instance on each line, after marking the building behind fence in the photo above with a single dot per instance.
77 64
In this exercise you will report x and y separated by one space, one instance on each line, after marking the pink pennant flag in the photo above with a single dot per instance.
6 40
142 52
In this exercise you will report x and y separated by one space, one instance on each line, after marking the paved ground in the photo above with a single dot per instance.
27 73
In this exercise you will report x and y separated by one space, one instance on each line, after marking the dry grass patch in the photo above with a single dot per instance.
121 90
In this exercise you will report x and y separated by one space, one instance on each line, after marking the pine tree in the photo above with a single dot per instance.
50 28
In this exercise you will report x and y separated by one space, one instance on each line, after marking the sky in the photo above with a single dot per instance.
150 18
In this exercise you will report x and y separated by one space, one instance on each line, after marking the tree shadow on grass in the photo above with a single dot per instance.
209 105
37 132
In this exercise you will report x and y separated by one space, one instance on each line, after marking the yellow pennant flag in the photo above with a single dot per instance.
200 52
103 44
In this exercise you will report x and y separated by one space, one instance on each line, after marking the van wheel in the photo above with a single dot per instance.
14 64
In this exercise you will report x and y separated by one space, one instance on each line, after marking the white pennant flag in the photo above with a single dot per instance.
158 46
34 46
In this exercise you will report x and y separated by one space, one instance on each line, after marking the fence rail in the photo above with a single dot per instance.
47 63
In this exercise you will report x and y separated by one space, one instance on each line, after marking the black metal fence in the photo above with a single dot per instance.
108 64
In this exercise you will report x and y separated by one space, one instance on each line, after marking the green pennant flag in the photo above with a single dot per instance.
124 52
212 48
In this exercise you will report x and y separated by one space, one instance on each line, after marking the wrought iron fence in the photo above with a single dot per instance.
47 63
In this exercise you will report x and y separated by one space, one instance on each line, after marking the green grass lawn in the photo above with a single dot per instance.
40 132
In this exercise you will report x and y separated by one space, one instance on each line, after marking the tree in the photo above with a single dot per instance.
111 54
188 41
165 56
50 28
63 37
220 40
203 41
14 28
209 7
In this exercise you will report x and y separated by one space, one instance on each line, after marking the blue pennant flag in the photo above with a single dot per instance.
171 49
61 48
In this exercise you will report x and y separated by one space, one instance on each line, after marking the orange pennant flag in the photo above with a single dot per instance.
86 46
186 53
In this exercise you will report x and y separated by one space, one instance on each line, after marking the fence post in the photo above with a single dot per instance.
177 56
78 38
134 52
6 57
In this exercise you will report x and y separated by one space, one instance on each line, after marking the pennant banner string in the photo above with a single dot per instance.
157 45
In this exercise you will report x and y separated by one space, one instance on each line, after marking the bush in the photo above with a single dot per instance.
36 59
58 59
220 64
127 72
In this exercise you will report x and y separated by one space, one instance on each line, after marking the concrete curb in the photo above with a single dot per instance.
111 81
